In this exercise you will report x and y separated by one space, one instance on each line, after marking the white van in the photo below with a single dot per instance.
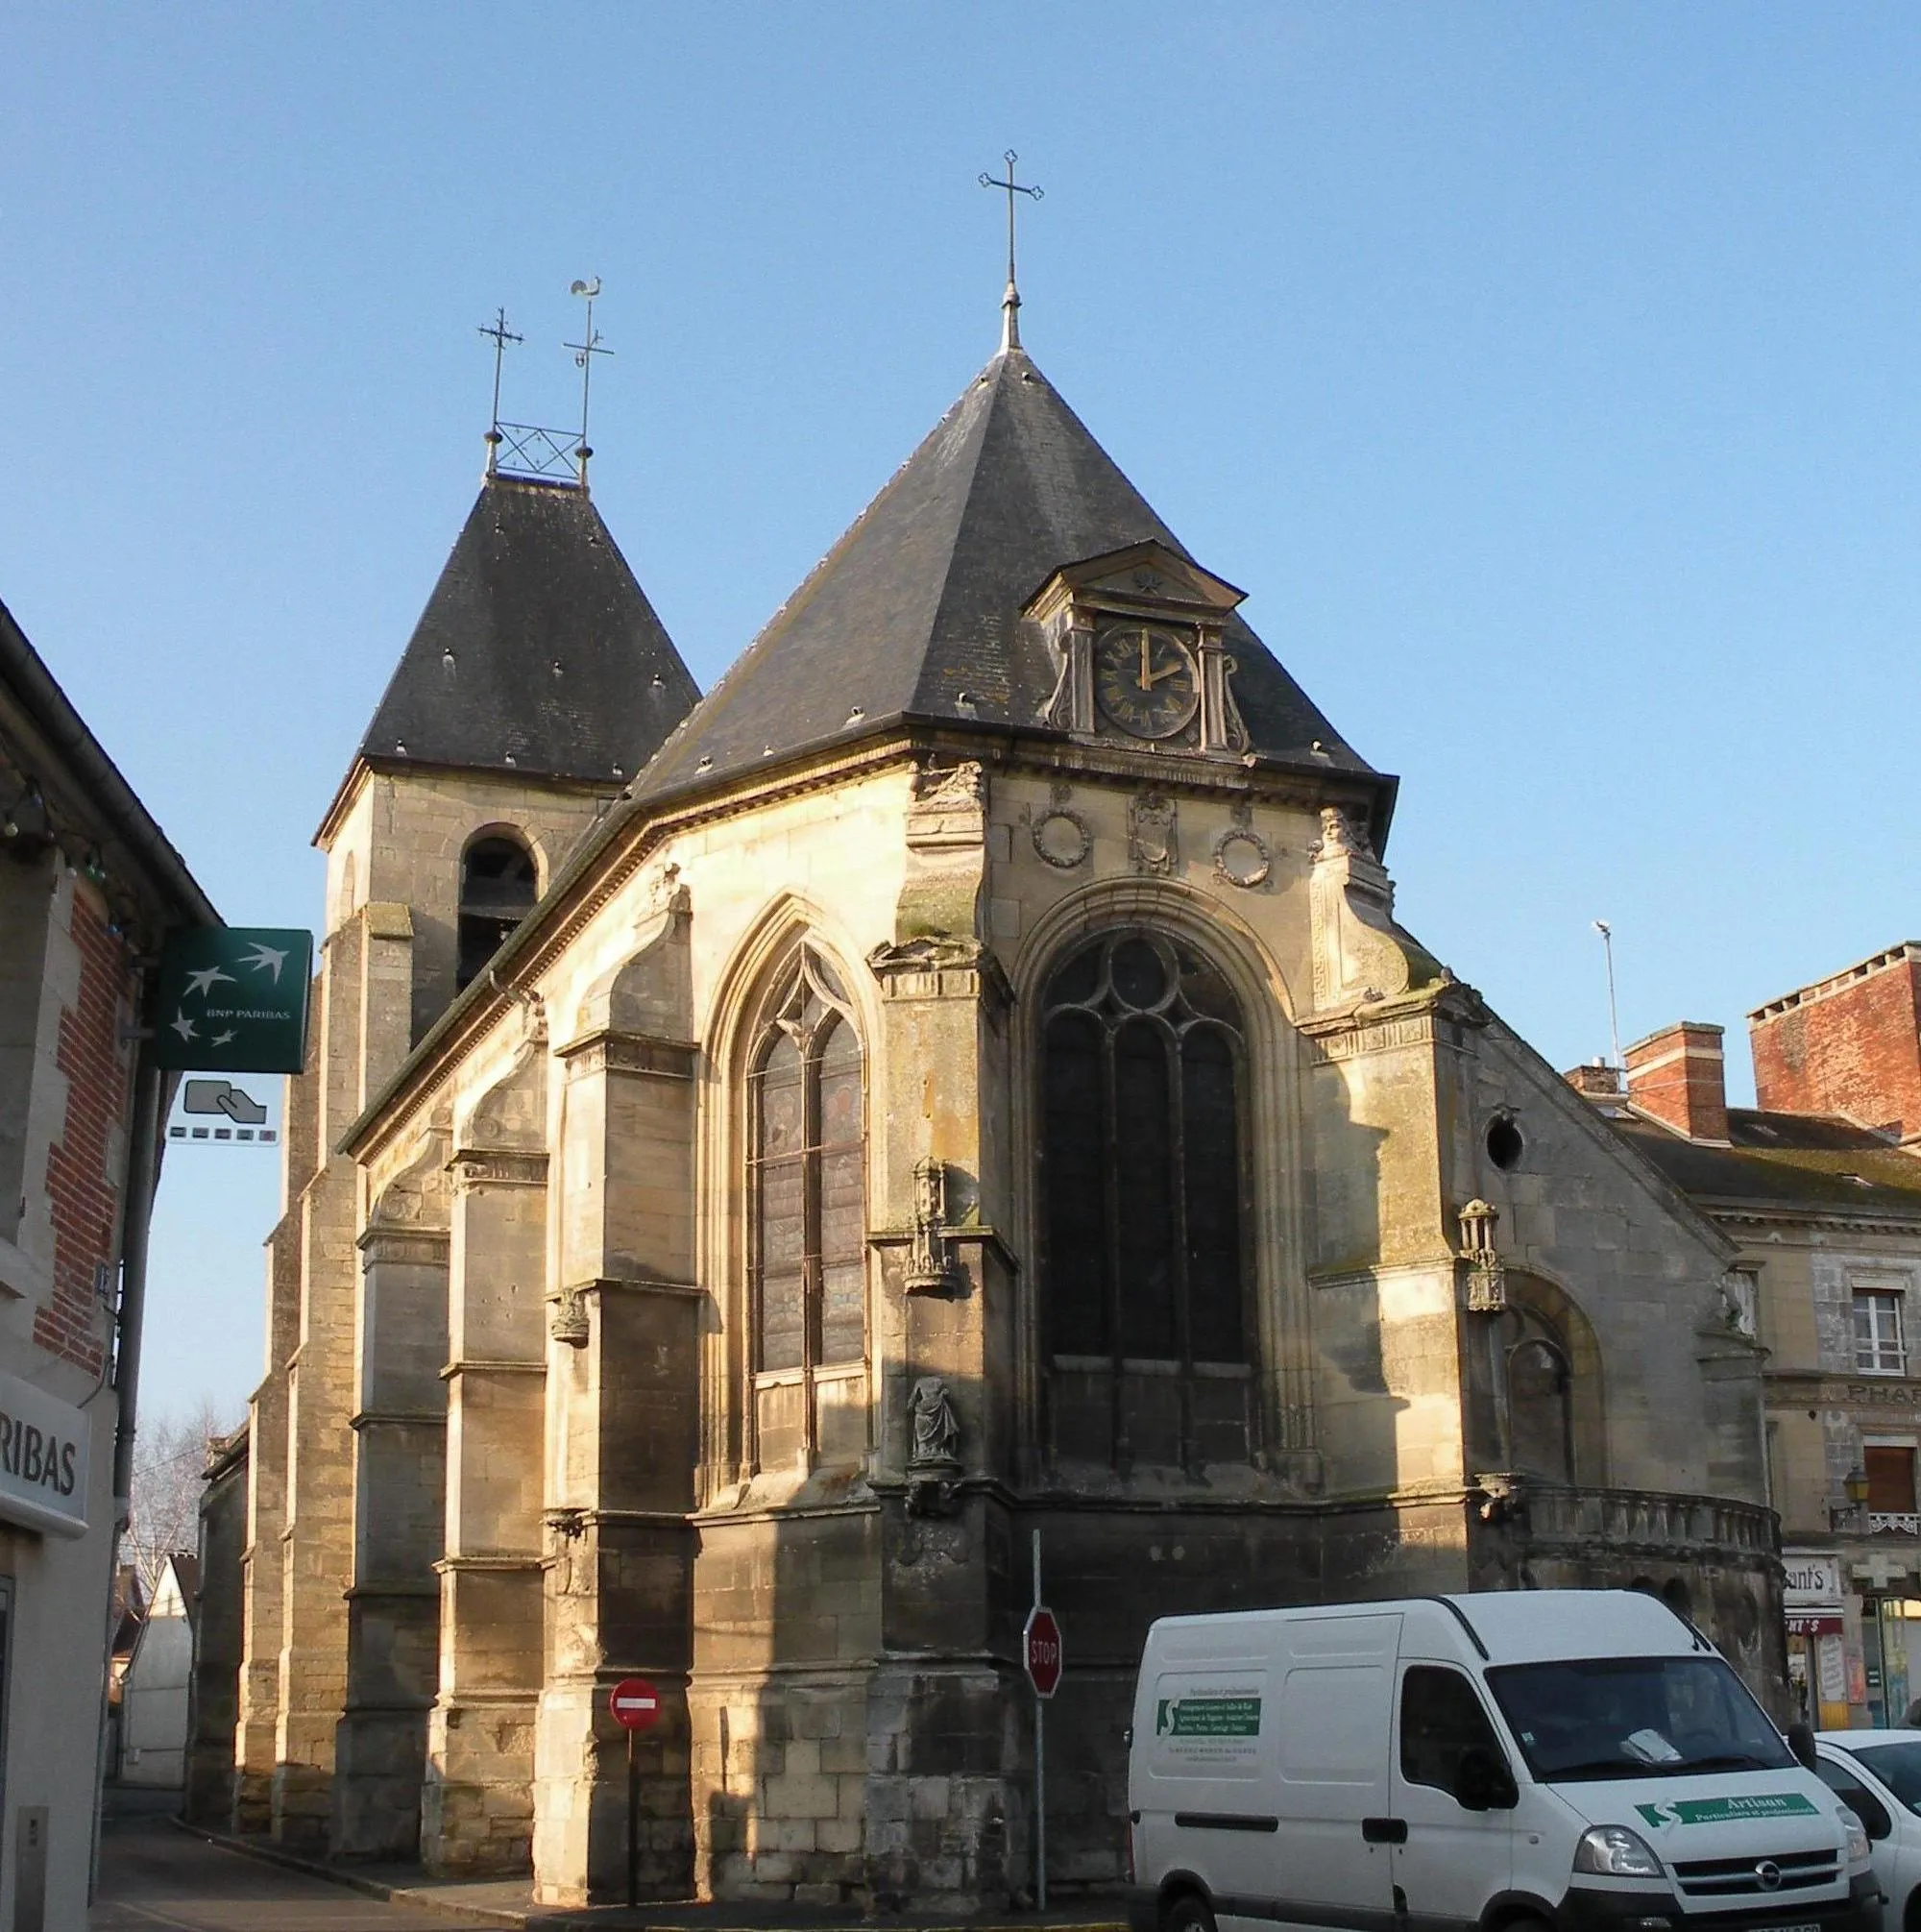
1576 1759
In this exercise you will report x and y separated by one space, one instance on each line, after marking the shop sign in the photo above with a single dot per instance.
43 1459
1814 1622
1810 1578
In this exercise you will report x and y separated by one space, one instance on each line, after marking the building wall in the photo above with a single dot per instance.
155 1695
847 1721
1850 1044
72 1067
218 1639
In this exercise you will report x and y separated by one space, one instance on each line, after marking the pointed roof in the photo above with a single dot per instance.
918 612
538 653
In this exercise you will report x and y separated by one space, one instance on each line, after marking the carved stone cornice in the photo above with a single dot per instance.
609 1051
940 969
490 1365
397 1418
634 1285
388 1241
496 1167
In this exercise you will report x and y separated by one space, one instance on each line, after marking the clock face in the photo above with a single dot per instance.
1145 679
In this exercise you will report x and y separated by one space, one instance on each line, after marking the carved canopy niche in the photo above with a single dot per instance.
1102 607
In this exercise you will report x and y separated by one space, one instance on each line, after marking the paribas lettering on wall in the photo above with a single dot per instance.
36 1456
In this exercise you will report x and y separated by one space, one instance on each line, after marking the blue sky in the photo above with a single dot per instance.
1548 375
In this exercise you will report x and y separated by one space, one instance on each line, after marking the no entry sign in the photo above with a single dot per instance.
1040 1650
635 1703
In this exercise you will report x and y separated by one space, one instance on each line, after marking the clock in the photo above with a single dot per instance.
1145 679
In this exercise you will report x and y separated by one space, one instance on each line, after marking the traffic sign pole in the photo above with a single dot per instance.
633 1821
1039 1760
635 1705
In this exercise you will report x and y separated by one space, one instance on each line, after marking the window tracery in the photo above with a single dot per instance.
806 1205
1143 1204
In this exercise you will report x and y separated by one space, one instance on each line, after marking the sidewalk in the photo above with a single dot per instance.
509 1902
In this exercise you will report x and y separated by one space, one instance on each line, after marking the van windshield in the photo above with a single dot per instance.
1635 1716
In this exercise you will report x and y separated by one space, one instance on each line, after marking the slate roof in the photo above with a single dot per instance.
535 581
1819 1163
915 613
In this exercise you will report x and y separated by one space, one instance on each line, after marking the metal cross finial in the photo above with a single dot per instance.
502 335
1011 301
584 352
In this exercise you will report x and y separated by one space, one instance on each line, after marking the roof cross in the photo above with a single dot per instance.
584 352
502 335
1011 301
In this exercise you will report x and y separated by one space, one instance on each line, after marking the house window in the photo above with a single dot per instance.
1891 1483
1143 1205
1879 1348
499 884
808 1195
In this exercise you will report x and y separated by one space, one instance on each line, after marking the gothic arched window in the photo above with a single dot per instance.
499 884
1143 1205
807 1193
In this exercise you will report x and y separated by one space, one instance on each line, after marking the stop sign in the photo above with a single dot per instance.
635 1703
1040 1650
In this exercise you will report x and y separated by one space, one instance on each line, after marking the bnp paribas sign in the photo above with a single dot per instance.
233 999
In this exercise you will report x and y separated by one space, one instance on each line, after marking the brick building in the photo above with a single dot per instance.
1819 1187
767 1155
88 886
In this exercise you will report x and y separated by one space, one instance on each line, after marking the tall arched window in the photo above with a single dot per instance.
1540 1405
1143 1206
498 885
807 1214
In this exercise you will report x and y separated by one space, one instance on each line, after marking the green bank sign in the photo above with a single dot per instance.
232 999
1724 1810
1207 1717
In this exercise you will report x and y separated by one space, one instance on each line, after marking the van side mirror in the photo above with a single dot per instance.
1801 1742
1483 1782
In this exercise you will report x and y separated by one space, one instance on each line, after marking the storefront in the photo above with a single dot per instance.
1817 1665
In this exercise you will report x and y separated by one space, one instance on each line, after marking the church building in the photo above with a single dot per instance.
764 1156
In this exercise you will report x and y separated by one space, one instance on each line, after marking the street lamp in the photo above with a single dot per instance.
1854 1486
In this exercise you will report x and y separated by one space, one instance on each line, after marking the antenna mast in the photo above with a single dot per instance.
1607 933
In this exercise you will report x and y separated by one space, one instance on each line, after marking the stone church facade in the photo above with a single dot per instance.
960 1077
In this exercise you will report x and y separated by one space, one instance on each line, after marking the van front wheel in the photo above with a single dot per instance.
1186 1912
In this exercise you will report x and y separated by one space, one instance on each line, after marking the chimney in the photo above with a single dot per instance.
1678 1076
1847 1044
1598 1081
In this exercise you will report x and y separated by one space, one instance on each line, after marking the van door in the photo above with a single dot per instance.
1452 1857
1331 1845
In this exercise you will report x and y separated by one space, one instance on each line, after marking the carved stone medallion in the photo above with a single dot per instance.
1242 858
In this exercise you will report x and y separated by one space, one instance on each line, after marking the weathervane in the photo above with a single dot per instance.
502 335
1011 301
584 352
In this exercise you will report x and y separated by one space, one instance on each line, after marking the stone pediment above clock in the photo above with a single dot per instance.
1138 641
1148 575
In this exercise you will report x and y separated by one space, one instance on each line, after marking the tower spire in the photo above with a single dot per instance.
1010 301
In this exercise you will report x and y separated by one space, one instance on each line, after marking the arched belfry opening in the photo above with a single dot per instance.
498 885
807 1235
1145 1309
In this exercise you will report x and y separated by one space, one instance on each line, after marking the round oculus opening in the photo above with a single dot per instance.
1504 1143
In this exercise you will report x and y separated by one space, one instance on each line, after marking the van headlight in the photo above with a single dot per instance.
1614 1851
1860 1851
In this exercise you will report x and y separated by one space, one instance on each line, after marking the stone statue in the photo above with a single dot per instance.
937 1429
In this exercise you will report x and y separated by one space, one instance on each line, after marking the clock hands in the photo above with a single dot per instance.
1149 677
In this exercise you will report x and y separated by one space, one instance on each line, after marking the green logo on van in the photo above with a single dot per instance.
1720 1810
1207 1717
